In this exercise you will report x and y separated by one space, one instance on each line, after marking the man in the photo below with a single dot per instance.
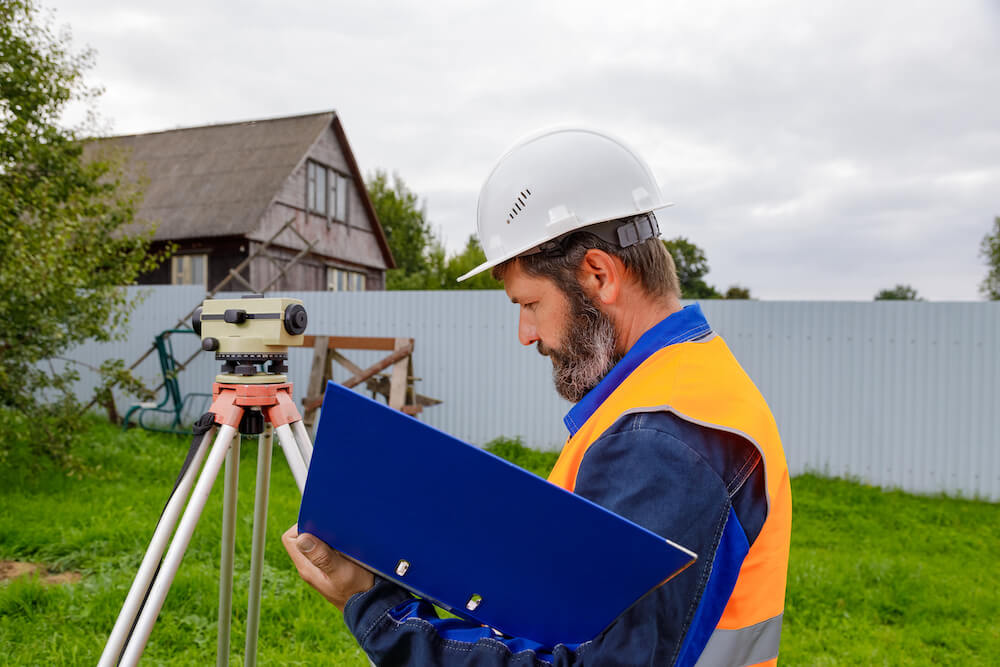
667 430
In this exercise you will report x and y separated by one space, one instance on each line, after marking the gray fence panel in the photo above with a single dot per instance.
898 394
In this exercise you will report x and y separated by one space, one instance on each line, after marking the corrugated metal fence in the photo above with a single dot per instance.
897 394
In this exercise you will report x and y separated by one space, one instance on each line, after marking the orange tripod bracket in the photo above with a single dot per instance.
229 401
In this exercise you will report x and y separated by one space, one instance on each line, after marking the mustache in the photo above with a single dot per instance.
543 349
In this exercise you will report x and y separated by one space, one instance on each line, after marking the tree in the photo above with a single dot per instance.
737 292
65 246
692 266
461 263
404 220
989 250
898 293
421 259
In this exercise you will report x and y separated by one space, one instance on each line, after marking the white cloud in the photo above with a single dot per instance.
815 150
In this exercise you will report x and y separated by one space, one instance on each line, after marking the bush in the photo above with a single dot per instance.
66 244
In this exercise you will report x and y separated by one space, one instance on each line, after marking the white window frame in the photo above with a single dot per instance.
184 269
345 280
327 191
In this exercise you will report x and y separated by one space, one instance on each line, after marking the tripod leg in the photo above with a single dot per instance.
147 570
305 444
292 454
264 450
158 593
230 494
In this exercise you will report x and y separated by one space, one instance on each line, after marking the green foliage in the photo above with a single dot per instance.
989 250
404 220
737 292
421 259
898 293
692 267
461 263
532 460
64 250
875 577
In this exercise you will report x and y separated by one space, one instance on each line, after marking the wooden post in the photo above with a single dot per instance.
400 375
397 387
318 375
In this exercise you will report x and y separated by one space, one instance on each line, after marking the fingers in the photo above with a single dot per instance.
288 540
302 564
332 575
306 551
318 553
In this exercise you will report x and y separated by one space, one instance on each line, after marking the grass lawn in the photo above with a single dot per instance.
875 577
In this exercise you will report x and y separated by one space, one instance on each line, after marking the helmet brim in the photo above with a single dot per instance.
489 264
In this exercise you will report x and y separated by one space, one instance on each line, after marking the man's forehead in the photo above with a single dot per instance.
520 285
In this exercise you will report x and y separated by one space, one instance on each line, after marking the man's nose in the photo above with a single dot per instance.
526 332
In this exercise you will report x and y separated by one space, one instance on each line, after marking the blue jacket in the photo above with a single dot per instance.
685 481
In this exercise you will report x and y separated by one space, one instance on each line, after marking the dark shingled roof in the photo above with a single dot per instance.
215 180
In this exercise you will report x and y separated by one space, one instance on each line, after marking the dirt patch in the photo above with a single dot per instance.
12 569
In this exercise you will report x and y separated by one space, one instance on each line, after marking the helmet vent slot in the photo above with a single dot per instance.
519 204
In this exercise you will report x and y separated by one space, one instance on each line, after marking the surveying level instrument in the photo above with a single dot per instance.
245 334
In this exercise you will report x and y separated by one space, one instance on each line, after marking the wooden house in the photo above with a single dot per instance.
221 192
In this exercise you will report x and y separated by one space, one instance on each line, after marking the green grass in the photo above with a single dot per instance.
880 577
875 577
99 523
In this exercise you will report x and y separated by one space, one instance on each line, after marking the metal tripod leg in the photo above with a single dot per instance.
178 545
151 560
264 449
228 551
293 445
305 444
130 636
293 454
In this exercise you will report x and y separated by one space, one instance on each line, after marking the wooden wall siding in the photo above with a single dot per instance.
308 273
336 240
326 151
327 145
223 254
225 257
375 281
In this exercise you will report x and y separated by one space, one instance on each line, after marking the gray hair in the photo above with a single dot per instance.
649 261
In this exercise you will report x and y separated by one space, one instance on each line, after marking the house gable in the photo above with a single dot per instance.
357 240
215 180
225 189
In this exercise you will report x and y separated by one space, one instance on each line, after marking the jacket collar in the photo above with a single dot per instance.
686 324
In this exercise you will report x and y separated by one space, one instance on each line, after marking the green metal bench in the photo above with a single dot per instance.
175 411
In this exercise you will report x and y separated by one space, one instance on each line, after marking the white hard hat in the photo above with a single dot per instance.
561 180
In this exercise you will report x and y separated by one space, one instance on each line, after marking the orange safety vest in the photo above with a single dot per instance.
701 382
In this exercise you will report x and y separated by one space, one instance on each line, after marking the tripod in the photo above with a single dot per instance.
239 405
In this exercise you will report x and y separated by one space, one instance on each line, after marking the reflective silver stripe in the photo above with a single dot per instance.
746 646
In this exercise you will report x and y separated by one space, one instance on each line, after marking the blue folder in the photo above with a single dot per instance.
471 532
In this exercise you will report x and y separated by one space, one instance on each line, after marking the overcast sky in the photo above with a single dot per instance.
814 150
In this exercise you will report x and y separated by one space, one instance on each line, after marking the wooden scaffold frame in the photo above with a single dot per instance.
396 386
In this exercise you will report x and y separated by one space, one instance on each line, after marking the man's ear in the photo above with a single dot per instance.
601 276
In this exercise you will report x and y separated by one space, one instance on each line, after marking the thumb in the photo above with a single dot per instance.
317 552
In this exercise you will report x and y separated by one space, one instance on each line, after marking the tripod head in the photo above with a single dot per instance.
250 332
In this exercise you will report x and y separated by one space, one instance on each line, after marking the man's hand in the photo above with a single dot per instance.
335 577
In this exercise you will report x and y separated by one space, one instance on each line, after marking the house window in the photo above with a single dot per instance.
326 191
342 280
189 270
338 196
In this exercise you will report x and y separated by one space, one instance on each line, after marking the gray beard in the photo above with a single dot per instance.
588 352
